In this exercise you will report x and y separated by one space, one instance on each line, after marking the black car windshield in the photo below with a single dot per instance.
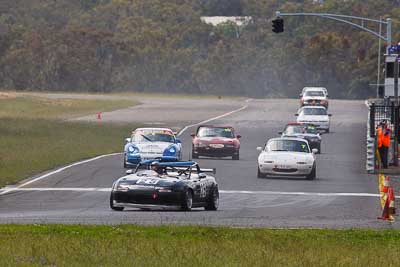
314 111
143 136
311 129
164 171
294 129
288 145
215 132
314 93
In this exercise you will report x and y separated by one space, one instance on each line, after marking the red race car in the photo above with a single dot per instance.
215 141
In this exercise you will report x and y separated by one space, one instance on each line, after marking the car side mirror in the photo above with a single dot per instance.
330 115
202 175
280 132
128 140
129 172
314 151
259 148
238 136
193 135
297 114
178 141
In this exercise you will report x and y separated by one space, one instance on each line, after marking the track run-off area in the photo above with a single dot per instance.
342 196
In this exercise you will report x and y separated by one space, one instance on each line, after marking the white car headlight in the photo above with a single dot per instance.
132 149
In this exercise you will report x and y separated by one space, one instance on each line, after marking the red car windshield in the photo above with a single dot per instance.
215 132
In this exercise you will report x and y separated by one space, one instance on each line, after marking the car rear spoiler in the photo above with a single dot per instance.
213 170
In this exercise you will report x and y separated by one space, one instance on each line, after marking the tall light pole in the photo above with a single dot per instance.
347 19
352 20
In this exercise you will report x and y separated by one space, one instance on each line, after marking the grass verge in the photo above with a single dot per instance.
133 94
32 107
60 245
33 137
29 146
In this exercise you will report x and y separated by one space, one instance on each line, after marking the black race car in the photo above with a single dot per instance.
304 130
158 184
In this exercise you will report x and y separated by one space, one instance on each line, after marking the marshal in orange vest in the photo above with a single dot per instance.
379 134
386 137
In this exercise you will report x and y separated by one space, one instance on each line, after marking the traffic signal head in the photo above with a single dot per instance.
277 25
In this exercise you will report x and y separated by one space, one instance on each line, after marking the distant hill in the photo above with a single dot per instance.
164 46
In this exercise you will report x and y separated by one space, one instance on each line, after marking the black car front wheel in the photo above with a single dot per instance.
194 155
260 174
187 200
125 165
213 200
312 174
112 204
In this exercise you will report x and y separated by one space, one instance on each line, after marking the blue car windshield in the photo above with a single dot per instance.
152 136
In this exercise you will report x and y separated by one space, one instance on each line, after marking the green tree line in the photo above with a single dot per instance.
163 46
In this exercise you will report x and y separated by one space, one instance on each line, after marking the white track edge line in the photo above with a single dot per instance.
215 118
108 189
6 190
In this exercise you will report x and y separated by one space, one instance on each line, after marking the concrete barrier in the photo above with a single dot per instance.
370 144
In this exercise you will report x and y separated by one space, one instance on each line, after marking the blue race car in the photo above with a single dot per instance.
151 143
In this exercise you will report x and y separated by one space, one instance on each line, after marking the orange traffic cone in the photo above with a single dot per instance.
386 185
385 212
99 115
392 209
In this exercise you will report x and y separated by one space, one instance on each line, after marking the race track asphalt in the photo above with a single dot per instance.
342 196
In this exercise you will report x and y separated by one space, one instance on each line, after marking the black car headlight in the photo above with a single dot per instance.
122 187
163 189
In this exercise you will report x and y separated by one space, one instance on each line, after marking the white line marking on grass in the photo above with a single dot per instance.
6 190
215 118
239 192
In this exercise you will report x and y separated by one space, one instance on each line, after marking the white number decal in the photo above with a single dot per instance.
203 191
147 181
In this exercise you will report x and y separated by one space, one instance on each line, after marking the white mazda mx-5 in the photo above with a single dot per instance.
316 115
287 157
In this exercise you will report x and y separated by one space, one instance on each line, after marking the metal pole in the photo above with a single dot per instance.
388 33
396 105
396 134
378 76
